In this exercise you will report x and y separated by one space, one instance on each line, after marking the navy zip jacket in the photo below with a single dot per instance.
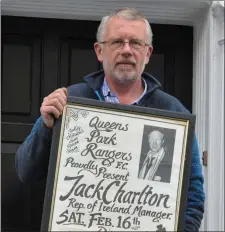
32 156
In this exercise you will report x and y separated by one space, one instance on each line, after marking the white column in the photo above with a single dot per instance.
208 95
215 191
201 89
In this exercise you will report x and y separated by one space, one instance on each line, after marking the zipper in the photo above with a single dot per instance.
98 95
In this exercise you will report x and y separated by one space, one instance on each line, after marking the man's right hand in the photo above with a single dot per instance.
52 106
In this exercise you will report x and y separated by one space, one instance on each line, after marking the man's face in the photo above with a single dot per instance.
155 141
124 64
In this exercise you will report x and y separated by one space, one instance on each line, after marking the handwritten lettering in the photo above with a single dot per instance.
108 156
107 126
146 196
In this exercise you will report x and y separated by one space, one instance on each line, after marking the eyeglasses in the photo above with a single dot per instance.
119 44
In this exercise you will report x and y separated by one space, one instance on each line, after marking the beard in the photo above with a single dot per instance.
123 74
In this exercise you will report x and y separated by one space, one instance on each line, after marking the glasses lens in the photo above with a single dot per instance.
137 44
116 43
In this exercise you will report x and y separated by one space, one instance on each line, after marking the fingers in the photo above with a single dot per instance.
50 112
52 106
58 103
62 92
65 90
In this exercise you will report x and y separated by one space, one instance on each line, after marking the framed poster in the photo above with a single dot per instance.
118 168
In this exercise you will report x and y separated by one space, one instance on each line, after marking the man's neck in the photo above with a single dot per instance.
126 93
156 154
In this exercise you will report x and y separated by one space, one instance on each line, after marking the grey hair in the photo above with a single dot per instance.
126 13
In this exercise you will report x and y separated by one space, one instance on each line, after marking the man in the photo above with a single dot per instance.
157 164
124 46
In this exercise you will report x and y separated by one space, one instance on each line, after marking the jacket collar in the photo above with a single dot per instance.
95 80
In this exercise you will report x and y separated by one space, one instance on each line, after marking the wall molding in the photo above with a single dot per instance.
173 12
218 10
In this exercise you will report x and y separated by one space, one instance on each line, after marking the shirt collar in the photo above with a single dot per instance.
158 155
108 93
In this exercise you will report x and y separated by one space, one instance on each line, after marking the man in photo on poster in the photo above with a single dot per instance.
156 163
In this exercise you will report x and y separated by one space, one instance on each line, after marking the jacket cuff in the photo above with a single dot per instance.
44 131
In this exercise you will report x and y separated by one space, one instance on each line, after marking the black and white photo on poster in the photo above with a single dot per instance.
156 153
99 182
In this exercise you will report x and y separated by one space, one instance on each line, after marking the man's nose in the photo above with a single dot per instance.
126 49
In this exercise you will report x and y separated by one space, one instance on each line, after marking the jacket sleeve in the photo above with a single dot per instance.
196 195
32 156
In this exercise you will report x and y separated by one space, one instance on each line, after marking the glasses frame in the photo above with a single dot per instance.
124 42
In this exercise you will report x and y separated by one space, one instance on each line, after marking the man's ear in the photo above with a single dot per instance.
148 55
98 51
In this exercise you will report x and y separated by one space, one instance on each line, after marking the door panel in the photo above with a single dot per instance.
20 85
156 67
50 64
78 59
81 54
16 63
